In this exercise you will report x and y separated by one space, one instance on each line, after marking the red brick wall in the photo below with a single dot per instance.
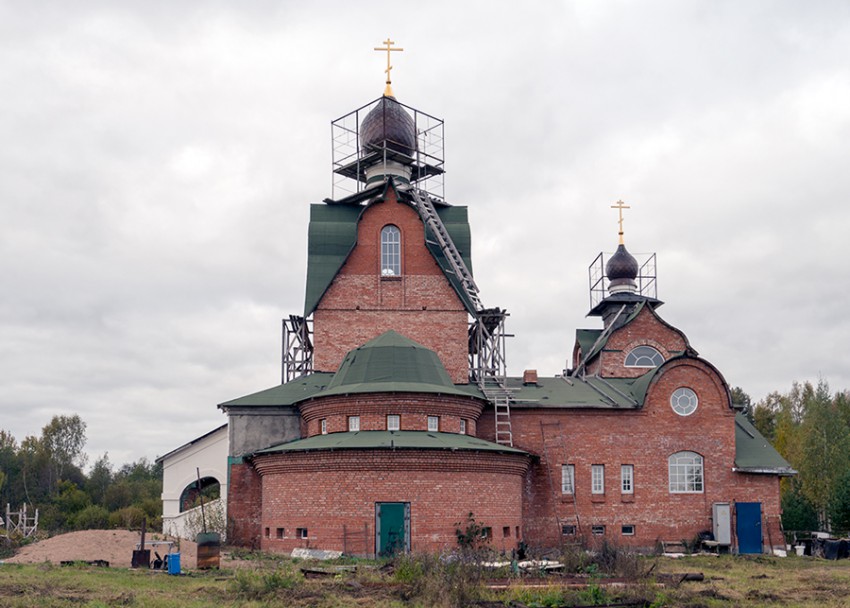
333 496
373 409
420 304
645 329
644 438
244 506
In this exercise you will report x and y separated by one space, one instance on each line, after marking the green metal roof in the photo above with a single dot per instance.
284 394
391 440
332 235
392 363
754 454
590 392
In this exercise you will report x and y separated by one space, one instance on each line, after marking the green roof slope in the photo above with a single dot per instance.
392 363
284 394
391 440
754 454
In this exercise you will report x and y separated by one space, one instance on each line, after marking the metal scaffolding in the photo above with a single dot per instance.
297 348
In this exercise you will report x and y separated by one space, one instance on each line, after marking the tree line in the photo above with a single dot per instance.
810 428
46 472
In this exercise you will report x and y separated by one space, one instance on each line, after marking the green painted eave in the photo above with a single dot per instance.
754 454
284 394
390 440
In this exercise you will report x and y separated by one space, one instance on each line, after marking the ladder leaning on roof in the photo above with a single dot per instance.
492 382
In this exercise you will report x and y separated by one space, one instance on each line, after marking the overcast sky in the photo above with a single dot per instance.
157 161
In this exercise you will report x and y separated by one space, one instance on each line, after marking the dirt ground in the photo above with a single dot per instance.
114 546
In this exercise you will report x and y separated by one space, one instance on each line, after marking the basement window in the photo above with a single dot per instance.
628 530
354 423
301 532
506 531
280 533
486 532
268 532
597 530
568 530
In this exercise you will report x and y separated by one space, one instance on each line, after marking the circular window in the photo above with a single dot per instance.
684 401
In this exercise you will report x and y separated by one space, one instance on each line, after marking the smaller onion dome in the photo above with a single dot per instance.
388 125
621 265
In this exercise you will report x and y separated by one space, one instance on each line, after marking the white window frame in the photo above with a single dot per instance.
433 424
624 527
597 530
627 478
568 479
323 426
390 251
684 401
597 479
686 473
645 359
462 426
393 422
353 424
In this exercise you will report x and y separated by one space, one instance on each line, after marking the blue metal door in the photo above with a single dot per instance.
748 526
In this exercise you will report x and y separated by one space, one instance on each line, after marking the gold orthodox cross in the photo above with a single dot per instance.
388 92
620 206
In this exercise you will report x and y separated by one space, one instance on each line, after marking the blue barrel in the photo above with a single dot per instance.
174 563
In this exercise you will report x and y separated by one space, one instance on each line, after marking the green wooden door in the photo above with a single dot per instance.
392 528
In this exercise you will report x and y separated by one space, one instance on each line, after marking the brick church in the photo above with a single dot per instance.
396 418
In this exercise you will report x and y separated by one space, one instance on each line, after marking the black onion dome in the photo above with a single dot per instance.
388 124
621 265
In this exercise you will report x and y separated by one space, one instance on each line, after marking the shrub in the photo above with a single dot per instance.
92 517
128 518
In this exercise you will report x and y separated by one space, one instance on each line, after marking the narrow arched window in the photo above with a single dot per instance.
644 356
390 251
685 471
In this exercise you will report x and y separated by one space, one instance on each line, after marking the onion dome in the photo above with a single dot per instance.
621 270
621 265
388 125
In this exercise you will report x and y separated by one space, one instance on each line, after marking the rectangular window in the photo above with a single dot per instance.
568 530
597 479
393 422
301 532
268 532
627 478
506 531
462 426
323 426
354 423
568 478
486 532
628 530
433 423
597 530
280 533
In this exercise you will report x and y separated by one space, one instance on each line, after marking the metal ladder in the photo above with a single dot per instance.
500 397
444 240
496 391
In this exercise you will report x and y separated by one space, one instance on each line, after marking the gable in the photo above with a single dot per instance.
332 236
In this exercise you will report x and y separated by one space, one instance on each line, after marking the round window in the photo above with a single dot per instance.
684 401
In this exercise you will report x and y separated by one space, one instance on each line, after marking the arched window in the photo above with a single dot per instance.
390 251
685 471
644 356
191 495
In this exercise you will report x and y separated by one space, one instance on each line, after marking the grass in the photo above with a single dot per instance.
272 580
